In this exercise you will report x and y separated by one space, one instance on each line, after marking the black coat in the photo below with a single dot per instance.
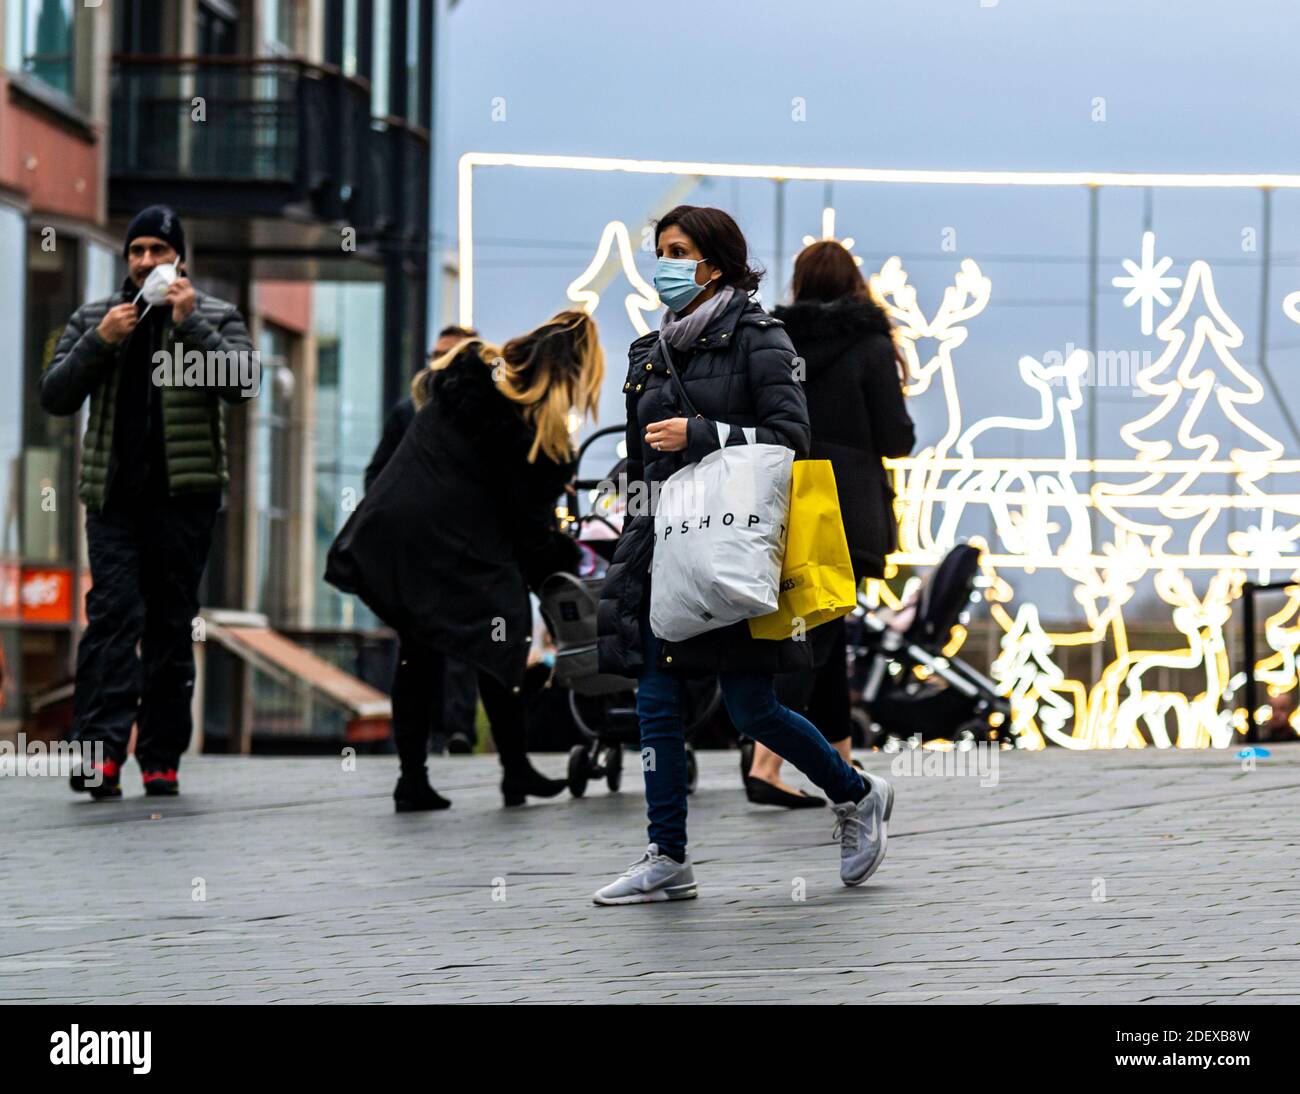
457 526
395 426
858 414
738 372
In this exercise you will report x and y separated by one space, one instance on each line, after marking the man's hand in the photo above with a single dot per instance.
667 436
118 322
181 296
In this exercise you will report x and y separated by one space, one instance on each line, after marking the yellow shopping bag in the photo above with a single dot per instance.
817 583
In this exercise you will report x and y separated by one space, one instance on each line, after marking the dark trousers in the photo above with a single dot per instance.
821 694
145 567
459 698
417 696
452 697
751 704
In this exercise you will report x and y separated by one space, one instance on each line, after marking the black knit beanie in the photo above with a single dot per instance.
160 222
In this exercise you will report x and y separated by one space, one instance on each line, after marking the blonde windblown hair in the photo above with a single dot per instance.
547 373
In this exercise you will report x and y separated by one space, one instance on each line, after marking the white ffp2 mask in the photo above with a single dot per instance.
155 288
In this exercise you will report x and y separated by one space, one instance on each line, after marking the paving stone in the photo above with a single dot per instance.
1151 877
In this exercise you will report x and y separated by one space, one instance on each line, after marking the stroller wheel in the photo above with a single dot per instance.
692 771
578 770
614 768
975 730
746 758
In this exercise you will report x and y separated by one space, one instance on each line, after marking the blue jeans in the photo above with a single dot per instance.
750 698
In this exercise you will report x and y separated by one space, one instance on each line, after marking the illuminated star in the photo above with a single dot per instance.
1263 541
1147 282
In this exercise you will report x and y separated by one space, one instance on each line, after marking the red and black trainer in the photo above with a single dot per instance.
161 782
100 781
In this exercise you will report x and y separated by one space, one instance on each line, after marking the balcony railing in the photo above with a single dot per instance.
253 135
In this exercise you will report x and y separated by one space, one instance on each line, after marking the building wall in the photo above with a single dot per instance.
55 253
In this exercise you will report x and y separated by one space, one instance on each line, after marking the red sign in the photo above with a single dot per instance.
46 595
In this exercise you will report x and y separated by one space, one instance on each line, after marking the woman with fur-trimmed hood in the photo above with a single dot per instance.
853 383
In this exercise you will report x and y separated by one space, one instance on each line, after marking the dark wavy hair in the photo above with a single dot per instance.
719 239
825 271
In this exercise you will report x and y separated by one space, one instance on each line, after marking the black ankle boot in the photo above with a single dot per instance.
523 780
414 794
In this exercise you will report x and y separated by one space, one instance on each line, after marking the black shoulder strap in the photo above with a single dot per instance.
677 381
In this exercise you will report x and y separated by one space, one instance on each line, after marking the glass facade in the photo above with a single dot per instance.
349 416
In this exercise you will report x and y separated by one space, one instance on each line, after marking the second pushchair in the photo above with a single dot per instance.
911 688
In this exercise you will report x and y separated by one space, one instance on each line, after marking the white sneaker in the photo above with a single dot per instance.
652 877
861 829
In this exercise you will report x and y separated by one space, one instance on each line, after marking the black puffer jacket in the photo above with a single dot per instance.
858 414
738 372
458 525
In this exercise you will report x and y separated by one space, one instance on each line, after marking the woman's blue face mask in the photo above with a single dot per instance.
675 282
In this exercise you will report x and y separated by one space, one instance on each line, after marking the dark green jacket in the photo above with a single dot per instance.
194 434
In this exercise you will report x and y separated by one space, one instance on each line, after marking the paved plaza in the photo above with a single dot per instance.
1141 876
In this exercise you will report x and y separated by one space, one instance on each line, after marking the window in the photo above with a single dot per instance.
40 40
217 27
280 27
54 290
13 256
273 432
349 60
381 58
341 36
139 27
349 320
413 32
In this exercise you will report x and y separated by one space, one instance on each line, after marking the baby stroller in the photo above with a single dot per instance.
603 706
952 701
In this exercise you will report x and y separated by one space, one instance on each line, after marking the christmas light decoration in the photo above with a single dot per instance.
828 232
644 299
1163 518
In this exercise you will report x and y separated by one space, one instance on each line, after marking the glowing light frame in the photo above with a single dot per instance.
1101 718
470 160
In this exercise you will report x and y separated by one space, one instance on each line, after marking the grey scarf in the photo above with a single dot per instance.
681 332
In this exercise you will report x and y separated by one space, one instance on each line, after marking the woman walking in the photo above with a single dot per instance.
461 523
858 415
735 363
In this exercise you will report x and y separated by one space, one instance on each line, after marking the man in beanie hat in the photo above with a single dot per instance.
152 470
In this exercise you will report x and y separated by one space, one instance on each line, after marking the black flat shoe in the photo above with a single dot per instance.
415 795
526 782
764 793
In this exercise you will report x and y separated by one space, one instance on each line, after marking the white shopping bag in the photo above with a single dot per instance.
720 528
